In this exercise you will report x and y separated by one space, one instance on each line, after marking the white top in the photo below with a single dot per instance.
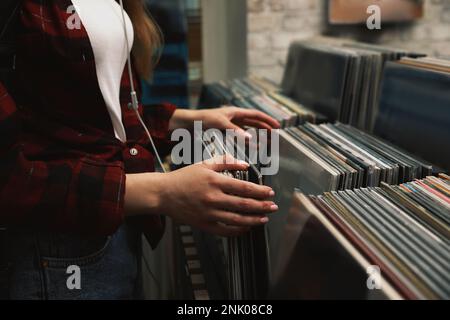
103 22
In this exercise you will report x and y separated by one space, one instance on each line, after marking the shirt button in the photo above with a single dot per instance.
134 151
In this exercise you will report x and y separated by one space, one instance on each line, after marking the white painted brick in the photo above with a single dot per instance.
283 40
301 4
263 22
415 33
390 35
255 6
274 24
277 5
261 58
303 21
274 73
440 32
258 41
441 49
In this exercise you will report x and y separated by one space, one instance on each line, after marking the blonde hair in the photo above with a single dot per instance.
148 39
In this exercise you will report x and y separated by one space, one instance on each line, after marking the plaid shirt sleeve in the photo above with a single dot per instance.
73 195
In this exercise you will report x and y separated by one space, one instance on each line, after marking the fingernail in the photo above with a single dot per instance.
248 135
243 163
274 207
271 193
264 220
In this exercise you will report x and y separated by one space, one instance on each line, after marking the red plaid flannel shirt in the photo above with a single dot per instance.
61 167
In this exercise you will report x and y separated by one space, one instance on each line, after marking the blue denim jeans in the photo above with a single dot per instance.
108 266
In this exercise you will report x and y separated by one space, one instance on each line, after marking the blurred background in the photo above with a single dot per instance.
213 40
267 55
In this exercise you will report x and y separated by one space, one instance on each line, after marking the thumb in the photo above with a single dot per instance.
225 162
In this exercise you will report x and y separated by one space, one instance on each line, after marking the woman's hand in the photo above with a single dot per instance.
224 118
200 196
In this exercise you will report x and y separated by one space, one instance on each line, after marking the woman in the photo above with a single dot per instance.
77 182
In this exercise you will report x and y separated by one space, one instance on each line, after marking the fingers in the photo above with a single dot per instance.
245 189
255 124
225 162
224 230
258 116
238 220
239 130
246 205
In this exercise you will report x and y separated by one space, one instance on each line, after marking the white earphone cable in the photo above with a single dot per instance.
134 104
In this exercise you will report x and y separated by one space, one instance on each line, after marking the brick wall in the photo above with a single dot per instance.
274 24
